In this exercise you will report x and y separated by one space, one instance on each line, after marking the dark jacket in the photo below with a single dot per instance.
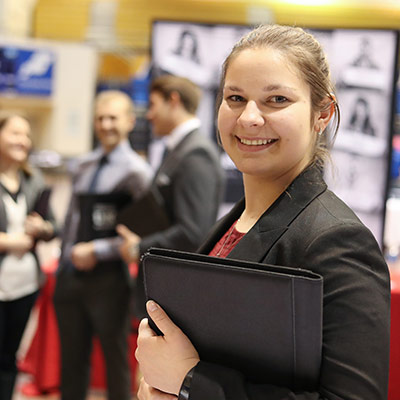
309 227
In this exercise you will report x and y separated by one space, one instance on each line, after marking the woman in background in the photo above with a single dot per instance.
277 102
20 228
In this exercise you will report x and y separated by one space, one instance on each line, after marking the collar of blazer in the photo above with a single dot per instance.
190 142
274 222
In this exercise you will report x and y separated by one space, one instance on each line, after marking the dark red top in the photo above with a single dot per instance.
227 242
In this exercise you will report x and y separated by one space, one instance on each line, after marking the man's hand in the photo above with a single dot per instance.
129 248
83 256
164 360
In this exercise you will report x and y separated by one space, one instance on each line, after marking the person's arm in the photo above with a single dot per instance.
16 243
139 180
356 315
39 228
85 255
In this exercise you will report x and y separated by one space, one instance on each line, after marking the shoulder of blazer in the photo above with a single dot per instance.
32 185
196 140
3 216
192 142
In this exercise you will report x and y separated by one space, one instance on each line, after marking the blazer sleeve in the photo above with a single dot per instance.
356 326
196 188
37 186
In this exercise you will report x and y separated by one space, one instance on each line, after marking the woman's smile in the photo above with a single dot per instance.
256 144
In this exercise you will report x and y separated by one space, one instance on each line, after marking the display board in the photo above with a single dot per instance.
25 71
363 65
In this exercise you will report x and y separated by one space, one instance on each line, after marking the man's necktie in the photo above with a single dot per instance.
102 162
165 154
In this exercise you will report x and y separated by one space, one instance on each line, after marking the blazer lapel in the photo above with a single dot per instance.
3 216
174 157
255 245
29 192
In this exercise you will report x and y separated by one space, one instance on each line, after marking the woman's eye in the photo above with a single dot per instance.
235 98
279 99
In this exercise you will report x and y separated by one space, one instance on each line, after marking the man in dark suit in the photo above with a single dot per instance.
190 179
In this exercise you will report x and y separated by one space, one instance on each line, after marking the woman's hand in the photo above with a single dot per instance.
146 392
16 243
164 360
37 227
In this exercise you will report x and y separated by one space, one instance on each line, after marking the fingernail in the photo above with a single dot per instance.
152 306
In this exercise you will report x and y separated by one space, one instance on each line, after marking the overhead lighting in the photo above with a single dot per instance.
311 2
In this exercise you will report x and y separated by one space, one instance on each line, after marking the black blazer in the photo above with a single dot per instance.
309 227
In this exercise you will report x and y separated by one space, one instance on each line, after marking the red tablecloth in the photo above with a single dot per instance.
42 360
394 374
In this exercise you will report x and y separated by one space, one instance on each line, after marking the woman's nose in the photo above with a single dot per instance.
251 115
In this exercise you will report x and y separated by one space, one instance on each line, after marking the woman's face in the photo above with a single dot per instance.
265 116
15 140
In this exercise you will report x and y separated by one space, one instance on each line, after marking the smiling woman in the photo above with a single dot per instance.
276 104
20 228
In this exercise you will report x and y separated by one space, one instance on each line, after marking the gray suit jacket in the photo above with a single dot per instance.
190 183
309 227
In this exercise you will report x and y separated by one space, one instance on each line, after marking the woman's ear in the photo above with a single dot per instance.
324 115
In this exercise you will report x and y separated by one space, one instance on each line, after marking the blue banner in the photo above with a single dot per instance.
26 72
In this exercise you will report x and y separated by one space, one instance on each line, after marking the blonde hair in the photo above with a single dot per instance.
305 53
110 95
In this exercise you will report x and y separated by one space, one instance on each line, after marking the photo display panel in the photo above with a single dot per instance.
363 67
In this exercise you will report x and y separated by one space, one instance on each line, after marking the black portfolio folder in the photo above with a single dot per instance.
98 214
263 320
